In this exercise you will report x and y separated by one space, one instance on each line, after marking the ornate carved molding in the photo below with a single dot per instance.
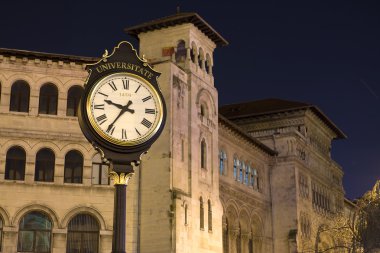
122 178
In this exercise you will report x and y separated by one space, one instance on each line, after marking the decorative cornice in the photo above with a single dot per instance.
223 122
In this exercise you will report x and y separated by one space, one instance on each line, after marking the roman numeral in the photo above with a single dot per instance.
99 107
101 119
146 98
137 88
103 94
110 129
123 133
137 131
125 84
113 86
150 111
146 123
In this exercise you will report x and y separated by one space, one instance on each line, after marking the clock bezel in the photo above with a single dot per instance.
132 143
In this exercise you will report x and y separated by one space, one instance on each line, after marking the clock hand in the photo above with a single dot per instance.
126 107
123 110
112 103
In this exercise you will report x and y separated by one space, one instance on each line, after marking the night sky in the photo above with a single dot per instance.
326 53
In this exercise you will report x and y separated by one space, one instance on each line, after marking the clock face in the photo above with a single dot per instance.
124 109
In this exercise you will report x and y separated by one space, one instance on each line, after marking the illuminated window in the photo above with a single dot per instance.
19 97
34 233
99 171
222 162
73 96
248 175
83 234
48 99
236 166
73 167
15 164
45 161
241 172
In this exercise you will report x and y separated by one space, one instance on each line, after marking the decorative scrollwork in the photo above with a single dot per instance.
120 178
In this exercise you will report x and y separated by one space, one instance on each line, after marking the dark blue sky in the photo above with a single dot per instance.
322 52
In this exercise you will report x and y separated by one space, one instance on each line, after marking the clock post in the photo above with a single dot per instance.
122 112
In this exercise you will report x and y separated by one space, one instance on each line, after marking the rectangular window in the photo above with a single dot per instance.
100 174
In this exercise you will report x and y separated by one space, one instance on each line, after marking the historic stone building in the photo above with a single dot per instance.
252 177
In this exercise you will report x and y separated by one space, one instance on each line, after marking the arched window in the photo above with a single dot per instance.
34 233
48 99
15 164
247 174
180 54
83 234
20 97
73 96
201 214
192 53
200 57
73 167
186 214
225 237
203 154
99 171
222 162
236 166
241 173
45 161
209 217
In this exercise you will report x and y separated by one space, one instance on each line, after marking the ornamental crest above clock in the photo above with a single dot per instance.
122 110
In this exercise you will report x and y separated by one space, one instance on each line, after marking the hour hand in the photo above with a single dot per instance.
112 103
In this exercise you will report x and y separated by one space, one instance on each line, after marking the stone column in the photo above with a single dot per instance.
244 242
233 234
188 58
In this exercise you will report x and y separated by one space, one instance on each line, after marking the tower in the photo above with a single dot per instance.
179 206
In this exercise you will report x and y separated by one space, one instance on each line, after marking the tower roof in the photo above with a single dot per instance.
273 106
178 19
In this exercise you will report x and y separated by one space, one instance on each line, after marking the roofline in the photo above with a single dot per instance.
350 202
340 134
254 141
179 18
50 56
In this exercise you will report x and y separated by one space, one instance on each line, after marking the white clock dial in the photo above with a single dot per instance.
124 109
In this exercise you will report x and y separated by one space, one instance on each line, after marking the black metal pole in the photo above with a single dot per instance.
121 175
119 219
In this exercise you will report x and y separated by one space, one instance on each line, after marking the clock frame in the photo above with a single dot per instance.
123 61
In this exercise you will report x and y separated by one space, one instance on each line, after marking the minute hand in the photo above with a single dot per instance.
112 103
123 110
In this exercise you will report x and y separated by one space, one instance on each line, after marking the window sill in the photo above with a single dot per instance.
19 113
43 182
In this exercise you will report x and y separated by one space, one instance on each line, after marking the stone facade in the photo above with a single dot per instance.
209 184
